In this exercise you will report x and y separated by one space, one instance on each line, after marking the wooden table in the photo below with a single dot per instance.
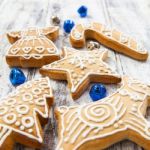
130 16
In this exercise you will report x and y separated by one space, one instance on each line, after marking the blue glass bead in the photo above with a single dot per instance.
97 92
82 11
16 76
68 25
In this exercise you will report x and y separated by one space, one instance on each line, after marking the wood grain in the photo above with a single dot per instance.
129 16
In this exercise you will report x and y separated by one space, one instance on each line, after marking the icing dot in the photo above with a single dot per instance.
22 109
27 122
3 110
116 125
134 109
22 127
17 123
9 118
19 115
120 122
77 35
30 130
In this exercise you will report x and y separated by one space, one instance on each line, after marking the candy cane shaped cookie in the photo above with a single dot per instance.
110 38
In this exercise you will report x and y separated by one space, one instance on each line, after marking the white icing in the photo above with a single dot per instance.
28 122
27 52
82 117
22 109
36 91
27 49
3 110
10 102
51 50
17 117
81 60
14 50
27 97
40 49
106 31
9 118
40 102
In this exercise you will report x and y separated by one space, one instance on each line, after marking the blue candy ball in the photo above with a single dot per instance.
97 92
68 25
82 11
17 77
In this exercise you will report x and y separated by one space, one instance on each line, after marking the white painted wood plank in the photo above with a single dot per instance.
131 16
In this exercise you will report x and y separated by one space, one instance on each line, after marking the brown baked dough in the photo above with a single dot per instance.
98 125
80 68
111 38
23 112
32 47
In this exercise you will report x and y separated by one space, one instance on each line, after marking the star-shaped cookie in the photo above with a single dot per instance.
32 47
111 38
23 112
80 68
100 124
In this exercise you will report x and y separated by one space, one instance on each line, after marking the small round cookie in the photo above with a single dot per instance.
23 112
32 47
100 124
80 68
111 38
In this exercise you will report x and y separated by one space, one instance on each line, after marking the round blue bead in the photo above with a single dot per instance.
68 25
82 11
97 92
17 77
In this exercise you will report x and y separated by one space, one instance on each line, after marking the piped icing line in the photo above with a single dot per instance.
32 122
81 60
33 44
126 117
77 37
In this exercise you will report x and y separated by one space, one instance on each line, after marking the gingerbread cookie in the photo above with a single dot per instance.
111 38
80 68
32 47
100 124
23 112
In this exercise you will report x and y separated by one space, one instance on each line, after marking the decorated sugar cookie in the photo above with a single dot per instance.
23 112
111 38
32 47
100 124
80 68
